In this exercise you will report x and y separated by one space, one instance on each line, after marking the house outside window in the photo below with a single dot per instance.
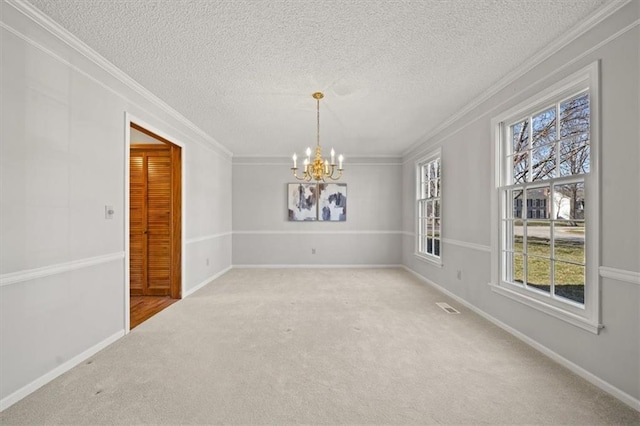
429 207
546 205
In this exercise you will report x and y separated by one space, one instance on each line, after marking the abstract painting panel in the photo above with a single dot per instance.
303 201
332 202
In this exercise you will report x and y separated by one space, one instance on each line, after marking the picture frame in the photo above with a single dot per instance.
317 202
332 202
302 202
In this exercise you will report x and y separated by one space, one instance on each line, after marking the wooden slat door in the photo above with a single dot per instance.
137 222
159 223
150 203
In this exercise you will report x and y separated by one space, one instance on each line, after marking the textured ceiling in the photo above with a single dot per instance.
244 70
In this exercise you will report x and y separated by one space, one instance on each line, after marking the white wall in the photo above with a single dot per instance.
262 234
63 152
613 356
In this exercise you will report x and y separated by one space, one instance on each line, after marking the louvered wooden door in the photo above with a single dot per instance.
150 223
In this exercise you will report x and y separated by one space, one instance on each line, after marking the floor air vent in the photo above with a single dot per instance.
447 308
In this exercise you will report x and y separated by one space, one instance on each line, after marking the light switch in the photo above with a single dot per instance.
108 212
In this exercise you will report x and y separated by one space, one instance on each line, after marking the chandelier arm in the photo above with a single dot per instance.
337 177
305 176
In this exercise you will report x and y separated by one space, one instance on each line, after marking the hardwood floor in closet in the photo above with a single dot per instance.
144 307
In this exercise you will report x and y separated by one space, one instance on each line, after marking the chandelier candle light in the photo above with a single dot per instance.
318 169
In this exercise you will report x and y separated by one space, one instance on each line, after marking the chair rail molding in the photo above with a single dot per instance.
619 275
45 271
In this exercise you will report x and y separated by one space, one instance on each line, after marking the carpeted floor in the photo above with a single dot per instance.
318 347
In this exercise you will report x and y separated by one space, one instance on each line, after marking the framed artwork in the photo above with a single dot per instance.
332 202
302 201
326 202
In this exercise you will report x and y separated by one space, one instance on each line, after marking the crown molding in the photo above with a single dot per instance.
284 160
422 149
596 17
82 48
65 36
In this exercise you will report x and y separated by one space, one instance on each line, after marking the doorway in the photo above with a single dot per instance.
155 205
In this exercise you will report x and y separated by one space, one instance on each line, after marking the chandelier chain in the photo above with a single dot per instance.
318 120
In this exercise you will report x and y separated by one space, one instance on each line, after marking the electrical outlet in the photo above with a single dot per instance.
207 261
313 251
459 274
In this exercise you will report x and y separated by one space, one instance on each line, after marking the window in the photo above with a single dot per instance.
547 201
428 207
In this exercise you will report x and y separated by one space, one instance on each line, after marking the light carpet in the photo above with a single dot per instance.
363 346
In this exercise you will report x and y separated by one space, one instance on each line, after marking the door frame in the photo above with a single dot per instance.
180 243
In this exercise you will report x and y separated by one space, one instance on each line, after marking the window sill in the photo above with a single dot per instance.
549 309
430 260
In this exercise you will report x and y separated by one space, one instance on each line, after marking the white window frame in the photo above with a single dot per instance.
585 316
435 154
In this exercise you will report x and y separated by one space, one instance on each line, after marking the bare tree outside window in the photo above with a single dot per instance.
428 207
549 157
539 160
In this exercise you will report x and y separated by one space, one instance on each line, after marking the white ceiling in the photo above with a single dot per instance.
244 70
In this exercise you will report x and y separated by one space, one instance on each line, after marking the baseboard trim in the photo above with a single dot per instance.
45 271
315 266
58 371
206 281
588 376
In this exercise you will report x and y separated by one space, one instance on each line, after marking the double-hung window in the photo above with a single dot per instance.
428 207
547 201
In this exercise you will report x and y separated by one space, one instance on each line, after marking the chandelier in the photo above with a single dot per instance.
318 169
